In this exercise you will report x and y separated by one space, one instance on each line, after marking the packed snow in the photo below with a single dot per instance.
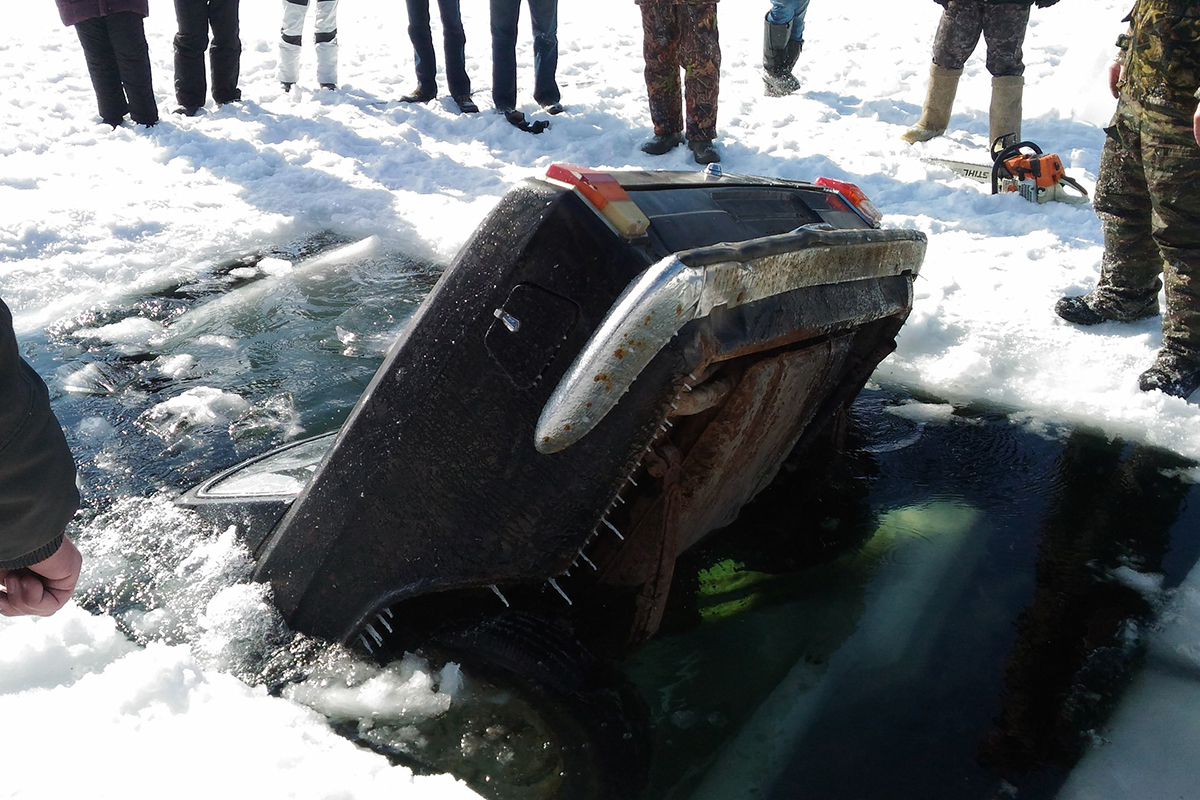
93 215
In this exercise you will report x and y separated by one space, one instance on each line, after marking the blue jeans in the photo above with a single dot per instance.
454 42
784 11
544 16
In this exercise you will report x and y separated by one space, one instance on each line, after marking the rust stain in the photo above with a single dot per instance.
600 378
567 427
619 352
679 310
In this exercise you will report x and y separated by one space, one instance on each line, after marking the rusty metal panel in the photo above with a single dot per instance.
741 450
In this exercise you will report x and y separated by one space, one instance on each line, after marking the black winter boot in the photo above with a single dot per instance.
704 151
661 145
1088 309
779 56
794 49
1175 372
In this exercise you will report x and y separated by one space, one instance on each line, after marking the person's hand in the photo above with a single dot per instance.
42 588
1114 77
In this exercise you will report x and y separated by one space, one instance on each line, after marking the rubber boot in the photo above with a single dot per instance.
777 71
939 99
1004 117
794 47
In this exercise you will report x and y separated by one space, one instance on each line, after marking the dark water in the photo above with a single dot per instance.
938 611
937 614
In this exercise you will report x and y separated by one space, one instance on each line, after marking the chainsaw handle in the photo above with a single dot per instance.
1081 199
1005 153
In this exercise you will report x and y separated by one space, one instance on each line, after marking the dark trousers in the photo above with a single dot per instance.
195 17
544 16
118 62
454 42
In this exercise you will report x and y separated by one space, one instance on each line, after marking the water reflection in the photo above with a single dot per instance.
960 626
1077 644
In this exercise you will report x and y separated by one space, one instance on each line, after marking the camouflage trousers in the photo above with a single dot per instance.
1002 26
682 35
1148 199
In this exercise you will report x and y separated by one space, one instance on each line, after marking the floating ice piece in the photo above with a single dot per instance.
205 315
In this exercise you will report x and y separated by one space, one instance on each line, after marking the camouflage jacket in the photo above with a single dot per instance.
1162 54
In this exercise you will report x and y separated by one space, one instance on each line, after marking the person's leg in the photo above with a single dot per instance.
793 12
127 33
782 12
1004 27
424 57
799 13
1004 30
1172 168
504 17
700 56
957 34
102 68
1131 264
225 55
454 44
544 16
325 30
660 29
191 41
783 39
289 44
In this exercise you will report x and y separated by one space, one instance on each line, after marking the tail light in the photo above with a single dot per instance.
604 194
856 198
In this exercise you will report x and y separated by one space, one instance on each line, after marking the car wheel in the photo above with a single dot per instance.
539 716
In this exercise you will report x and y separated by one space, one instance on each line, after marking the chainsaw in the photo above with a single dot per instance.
1022 168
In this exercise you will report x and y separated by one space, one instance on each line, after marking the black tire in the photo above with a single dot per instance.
578 727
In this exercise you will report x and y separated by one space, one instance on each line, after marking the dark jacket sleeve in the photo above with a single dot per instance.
37 474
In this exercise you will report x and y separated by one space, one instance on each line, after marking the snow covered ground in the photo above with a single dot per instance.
89 215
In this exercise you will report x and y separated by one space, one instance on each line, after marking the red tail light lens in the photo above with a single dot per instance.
855 197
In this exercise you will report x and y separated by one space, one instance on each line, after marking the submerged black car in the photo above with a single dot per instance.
613 365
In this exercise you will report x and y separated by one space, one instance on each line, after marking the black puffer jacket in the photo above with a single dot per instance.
37 474
1040 3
